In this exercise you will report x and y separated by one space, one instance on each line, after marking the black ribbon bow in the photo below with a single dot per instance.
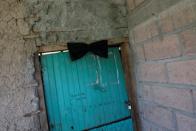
78 50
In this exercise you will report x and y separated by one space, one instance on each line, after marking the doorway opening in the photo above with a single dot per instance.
88 94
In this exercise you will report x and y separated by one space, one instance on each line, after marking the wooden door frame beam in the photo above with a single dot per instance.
42 108
52 47
128 66
127 61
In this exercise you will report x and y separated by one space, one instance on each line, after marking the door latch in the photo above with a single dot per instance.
128 103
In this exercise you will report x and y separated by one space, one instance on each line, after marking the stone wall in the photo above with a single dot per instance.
163 36
17 86
25 24
58 21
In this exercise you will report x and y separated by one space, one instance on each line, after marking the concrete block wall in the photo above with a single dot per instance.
163 37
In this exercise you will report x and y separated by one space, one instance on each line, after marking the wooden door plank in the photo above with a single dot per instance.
57 63
65 74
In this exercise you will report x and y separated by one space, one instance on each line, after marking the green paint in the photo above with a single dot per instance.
85 93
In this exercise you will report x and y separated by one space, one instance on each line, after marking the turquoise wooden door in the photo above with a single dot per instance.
87 94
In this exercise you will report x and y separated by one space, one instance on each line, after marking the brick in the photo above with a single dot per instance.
140 33
140 53
183 15
162 49
185 123
153 72
189 40
158 115
174 97
183 72
146 93
152 27
166 22
145 30
147 126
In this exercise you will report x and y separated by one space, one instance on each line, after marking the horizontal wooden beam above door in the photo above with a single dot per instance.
52 47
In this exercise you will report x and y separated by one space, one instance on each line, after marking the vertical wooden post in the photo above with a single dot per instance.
128 64
42 108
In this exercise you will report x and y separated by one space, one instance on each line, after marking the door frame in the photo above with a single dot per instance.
128 67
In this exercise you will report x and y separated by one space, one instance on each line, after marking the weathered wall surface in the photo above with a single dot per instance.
163 37
17 86
77 20
26 24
